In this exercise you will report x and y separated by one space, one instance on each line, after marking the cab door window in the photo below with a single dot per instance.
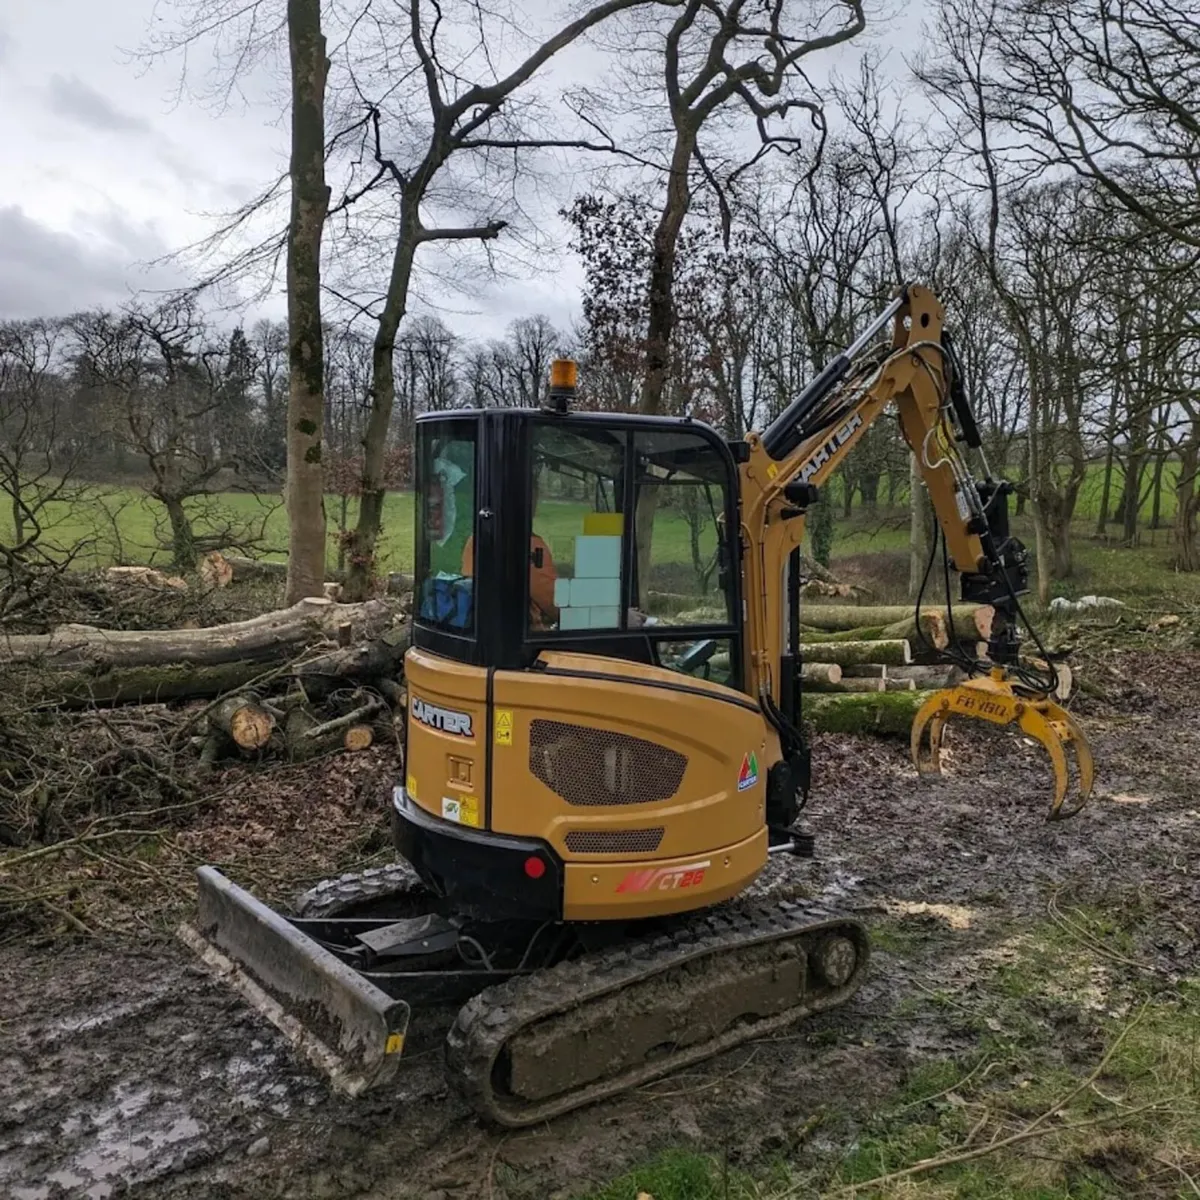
445 527
576 532
684 570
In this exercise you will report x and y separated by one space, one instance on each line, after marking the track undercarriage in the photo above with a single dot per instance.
553 1016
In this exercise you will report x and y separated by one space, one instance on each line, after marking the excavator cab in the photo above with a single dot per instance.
577 661
610 535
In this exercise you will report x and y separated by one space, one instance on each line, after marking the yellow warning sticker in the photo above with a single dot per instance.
411 786
504 726
772 470
394 1043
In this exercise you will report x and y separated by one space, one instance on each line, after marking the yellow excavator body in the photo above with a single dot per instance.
650 790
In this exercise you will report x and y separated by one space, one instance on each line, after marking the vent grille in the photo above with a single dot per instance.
594 767
614 841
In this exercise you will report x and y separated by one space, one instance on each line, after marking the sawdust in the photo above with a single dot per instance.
957 916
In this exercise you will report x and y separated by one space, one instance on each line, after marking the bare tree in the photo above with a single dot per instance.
1111 90
708 64
158 381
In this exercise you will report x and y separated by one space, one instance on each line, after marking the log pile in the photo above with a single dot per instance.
868 668
296 683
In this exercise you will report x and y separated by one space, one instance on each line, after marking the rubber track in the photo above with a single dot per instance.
334 897
486 1022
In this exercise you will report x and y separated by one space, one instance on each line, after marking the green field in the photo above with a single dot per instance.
125 526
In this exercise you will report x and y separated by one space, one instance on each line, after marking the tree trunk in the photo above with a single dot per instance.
660 322
183 537
244 720
361 544
1059 530
78 665
1187 503
1106 490
920 529
813 673
895 652
306 354
975 618
1160 458
1130 498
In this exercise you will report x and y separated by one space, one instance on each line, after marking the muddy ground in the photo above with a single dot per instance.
125 1070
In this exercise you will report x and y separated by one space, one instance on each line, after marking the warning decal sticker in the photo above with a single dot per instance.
748 775
504 727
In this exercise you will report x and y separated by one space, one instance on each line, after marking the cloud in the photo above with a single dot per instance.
68 96
6 44
47 273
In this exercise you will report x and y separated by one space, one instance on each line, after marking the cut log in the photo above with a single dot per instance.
866 671
380 658
896 652
933 626
145 577
846 685
899 685
243 568
869 633
820 673
358 737
244 719
307 737
1064 674
215 571
835 617
889 714
79 665
940 675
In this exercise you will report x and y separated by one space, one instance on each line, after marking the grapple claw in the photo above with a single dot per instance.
992 698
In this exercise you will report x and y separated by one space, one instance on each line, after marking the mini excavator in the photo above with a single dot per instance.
605 741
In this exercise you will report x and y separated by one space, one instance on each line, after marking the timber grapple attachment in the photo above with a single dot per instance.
995 699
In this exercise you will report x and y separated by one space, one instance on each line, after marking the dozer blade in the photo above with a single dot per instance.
344 1024
993 699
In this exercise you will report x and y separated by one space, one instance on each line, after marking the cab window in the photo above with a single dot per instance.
576 532
445 526
683 549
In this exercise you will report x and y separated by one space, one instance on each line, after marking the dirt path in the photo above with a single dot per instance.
130 1072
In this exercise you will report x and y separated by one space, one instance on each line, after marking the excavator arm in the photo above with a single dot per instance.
788 462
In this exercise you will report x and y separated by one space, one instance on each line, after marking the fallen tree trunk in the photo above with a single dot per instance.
865 671
244 569
931 631
889 714
868 633
80 665
837 617
895 652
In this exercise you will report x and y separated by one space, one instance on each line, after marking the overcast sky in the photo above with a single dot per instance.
105 168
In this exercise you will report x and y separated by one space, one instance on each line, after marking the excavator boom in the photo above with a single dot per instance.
800 450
